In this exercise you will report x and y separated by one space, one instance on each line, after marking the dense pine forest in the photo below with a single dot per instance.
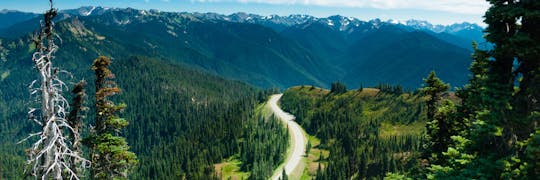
200 122
263 147
178 127
368 131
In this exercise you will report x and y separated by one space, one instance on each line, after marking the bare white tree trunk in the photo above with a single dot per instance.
51 155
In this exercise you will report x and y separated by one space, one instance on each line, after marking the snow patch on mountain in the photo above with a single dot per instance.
89 12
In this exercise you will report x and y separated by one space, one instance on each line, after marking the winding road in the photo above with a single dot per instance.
297 139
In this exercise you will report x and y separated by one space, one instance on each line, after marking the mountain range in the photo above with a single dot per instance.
265 51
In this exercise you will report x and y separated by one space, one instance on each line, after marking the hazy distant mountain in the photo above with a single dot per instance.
273 50
465 32
380 52
11 17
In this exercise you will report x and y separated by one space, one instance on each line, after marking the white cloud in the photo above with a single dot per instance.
455 6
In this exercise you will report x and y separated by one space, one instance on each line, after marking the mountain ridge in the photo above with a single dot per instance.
265 51
292 19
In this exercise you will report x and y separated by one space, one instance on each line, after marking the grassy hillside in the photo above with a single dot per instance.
368 132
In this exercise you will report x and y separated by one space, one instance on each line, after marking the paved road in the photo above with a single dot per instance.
298 140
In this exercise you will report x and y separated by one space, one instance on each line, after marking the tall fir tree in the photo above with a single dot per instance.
473 94
75 121
110 155
284 175
434 143
504 127
501 101
338 88
433 87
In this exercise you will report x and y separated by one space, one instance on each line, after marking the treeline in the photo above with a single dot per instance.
348 124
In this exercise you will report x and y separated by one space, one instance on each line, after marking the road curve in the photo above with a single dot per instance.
297 139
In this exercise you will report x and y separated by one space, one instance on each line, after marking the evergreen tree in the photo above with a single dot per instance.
434 144
442 128
473 95
75 121
526 101
338 88
319 174
532 155
501 101
284 175
308 148
510 114
111 158
433 87
455 157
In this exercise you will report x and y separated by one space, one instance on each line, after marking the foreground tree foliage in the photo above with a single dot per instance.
75 117
437 129
499 112
433 88
110 153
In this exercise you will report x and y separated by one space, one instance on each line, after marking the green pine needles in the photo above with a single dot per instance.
437 127
499 113
111 158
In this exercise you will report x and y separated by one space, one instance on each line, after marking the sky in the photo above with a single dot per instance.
435 11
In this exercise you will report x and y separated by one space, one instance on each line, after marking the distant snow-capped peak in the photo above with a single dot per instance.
424 25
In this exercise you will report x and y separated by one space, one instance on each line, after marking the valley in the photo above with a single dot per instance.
183 75
125 92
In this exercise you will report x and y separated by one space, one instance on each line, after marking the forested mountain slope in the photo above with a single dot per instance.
204 117
403 58
368 132
375 52
11 17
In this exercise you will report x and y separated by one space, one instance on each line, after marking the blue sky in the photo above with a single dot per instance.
435 11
